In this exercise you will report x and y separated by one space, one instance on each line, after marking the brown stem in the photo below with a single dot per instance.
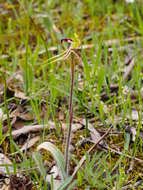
70 116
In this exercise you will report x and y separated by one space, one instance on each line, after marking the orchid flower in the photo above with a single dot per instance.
73 45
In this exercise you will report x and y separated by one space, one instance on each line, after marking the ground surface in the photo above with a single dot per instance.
35 90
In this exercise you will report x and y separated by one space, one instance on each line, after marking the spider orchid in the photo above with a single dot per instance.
73 45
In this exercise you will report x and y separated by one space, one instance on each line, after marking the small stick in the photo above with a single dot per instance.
70 116
83 158
129 70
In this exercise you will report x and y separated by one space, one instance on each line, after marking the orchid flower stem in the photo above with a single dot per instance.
70 115
62 56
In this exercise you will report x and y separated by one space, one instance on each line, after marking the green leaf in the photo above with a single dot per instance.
57 155
39 163
66 183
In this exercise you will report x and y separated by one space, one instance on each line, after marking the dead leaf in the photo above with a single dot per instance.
1 114
30 143
18 124
19 77
133 132
95 135
135 115
56 29
51 125
21 95
26 116
30 128
9 79
20 113
5 161
55 173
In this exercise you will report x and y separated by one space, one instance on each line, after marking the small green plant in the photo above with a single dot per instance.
62 162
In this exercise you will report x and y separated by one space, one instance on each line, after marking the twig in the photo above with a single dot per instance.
126 74
128 156
84 157
129 70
